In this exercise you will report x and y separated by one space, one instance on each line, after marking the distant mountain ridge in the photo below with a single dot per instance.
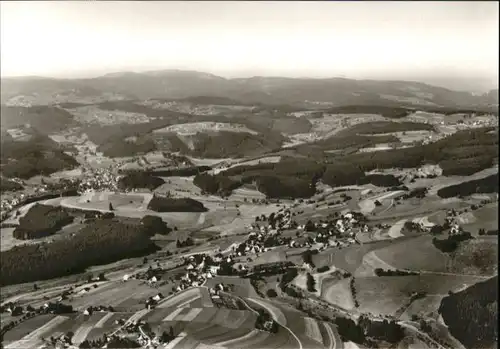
176 84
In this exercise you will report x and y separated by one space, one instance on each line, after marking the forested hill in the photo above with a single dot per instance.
471 315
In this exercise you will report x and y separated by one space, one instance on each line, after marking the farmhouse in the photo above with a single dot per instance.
214 269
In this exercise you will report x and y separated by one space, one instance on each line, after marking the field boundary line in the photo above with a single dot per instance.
190 300
264 305
174 342
172 315
236 340
28 340
331 334
101 322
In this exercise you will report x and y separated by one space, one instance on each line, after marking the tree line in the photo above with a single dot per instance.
164 204
488 184
136 180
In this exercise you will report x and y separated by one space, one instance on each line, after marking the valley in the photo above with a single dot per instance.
151 221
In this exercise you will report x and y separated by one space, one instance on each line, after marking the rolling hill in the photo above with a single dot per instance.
267 90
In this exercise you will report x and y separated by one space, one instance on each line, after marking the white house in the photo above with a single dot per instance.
214 269
306 266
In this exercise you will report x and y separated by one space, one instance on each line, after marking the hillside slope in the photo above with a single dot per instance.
471 315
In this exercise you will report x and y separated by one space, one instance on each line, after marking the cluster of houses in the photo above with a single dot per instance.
198 273
16 199
7 204
99 179
198 269
479 121
339 232
93 179
94 115
451 222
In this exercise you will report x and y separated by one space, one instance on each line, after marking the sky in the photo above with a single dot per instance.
379 40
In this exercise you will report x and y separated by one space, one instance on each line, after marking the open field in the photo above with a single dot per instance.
338 292
387 294
305 329
408 254
27 327
107 324
220 336
115 294
179 187
244 194
275 255
210 326
180 298
398 256
219 218
83 331
348 258
33 338
408 209
8 240
422 307
486 218
125 201
478 256
371 262
242 287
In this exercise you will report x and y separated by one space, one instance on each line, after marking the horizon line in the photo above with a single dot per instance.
84 76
